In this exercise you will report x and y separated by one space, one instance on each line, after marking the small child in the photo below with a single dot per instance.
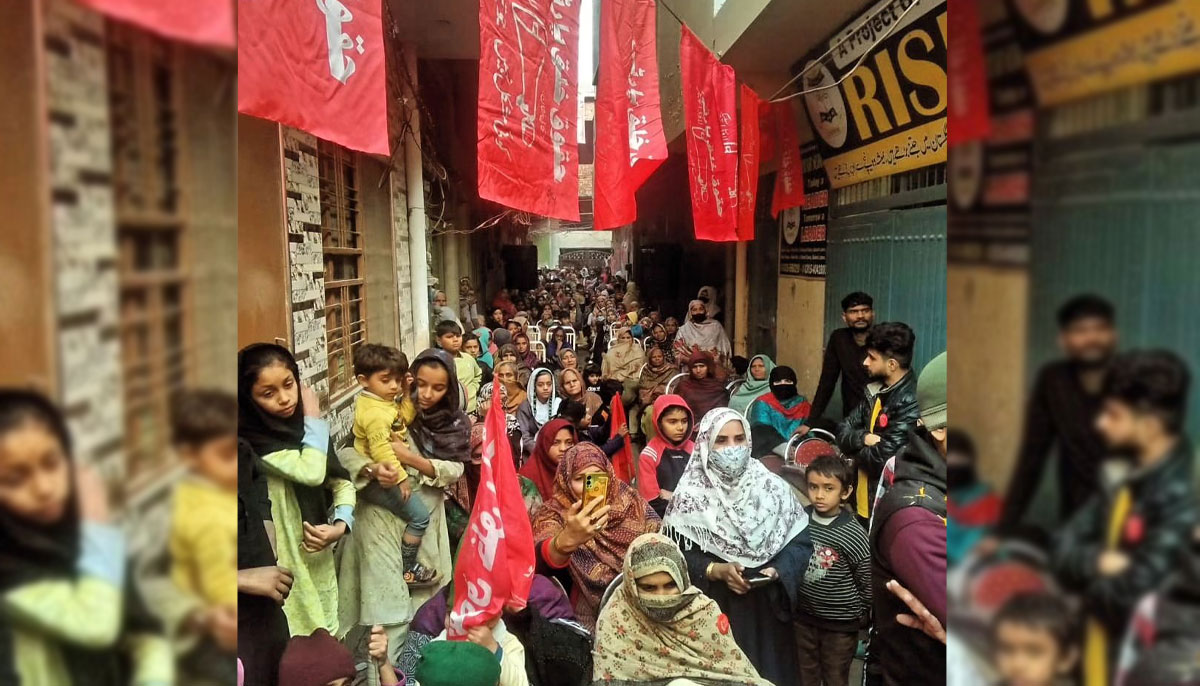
593 379
450 339
1034 641
203 535
836 593
383 372
667 454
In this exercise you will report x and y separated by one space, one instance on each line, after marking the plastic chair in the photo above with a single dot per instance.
734 385
612 588
673 382
534 333
539 348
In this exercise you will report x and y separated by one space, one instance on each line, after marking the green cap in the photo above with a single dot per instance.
457 663
931 393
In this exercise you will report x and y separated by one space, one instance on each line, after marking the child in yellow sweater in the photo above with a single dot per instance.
203 534
382 372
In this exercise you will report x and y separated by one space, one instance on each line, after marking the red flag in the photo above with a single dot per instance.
316 66
527 109
789 182
968 87
710 115
623 461
766 130
748 165
630 143
205 22
495 564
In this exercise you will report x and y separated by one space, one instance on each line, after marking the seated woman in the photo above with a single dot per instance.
574 387
652 384
557 343
622 363
657 626
777 415
553 441
541 404
584 546
756 384
567 359
701 389
736 522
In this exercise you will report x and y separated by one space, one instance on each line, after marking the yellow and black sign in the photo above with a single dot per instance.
889 114
1077 48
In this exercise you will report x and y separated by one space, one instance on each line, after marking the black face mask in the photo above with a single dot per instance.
784 391
959 475
699 318
704 299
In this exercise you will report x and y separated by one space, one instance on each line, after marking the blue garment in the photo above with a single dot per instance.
485 340
761 413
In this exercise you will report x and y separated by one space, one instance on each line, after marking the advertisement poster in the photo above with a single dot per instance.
802 229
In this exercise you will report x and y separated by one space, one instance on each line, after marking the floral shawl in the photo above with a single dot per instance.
634 648
597 563
747 520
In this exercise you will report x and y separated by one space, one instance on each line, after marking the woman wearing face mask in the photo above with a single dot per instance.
708 296
735 522
778 414
658 627
704 334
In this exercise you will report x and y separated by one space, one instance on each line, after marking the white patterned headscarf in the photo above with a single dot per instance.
542 411
741 513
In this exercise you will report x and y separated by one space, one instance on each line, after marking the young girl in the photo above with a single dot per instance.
282 424
69 613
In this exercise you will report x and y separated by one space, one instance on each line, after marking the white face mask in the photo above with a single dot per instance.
730 461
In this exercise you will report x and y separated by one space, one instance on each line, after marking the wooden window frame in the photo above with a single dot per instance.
342 241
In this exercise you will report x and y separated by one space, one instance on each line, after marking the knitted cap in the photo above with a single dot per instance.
457 663
931 393
315 661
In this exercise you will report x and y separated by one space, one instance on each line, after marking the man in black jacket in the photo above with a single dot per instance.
1124 542
878 427
843 357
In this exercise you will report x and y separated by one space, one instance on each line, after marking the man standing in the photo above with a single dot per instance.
878 427
908 543
843 357
1062 411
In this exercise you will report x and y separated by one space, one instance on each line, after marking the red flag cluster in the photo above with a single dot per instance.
495 565
630 143
204 22
527 127
316 66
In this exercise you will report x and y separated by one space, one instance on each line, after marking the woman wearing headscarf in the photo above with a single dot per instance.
776 416
557 343
567 359
574 387
658 626
540 406
280 419
708 296
584 546
370 583
736 521
756 384
652 384
441 311
485 342
700 388
468 303
623 364
553 441
508 353
632 295
702 333
504 303
512 426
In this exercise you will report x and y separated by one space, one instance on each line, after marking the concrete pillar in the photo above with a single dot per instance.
741 311
450 272
418 249
728 291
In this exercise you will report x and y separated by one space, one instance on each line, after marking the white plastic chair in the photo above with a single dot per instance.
612 588
570 331
539 348
673 382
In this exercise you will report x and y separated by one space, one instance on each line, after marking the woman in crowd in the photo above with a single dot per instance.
281 420
704 334
756 384
735 522
527 359
652 384
567 359
468 303
708 296
623 364
484 334
779 414
504 303
661 464
701 389
553 441
69 612
513 427
540 406
658 626
557 343
584 546
574 387
441 311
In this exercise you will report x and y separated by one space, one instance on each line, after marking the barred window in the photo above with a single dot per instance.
342 247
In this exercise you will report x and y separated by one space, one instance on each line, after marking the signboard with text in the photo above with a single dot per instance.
887 113
802 230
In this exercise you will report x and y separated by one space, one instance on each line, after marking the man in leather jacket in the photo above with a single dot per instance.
878 428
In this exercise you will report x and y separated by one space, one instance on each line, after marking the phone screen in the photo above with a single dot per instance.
760 581
595 487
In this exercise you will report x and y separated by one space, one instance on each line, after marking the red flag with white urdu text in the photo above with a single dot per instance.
748 165
710 117
317 66
789 180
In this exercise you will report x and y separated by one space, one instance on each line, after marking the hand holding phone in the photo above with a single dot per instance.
595 487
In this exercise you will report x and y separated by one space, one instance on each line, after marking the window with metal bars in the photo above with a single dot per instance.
151 231
342 248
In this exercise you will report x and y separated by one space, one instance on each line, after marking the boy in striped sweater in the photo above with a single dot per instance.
836 593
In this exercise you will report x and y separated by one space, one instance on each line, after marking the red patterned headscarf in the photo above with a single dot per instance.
540 469
597 563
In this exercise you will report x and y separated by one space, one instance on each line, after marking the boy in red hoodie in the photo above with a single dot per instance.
665 456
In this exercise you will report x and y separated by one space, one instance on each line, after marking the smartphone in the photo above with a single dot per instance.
760 581
595 487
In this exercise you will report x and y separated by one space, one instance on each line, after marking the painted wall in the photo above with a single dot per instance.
987 310
801 326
